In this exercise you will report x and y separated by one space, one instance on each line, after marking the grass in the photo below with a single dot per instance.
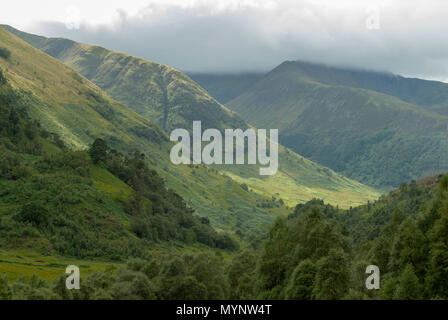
16 263
106 182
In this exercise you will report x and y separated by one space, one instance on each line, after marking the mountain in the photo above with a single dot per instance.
349 120
173 100
225 87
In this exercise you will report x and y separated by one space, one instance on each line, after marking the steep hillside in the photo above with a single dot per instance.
165 94
369 136
79 204
225 87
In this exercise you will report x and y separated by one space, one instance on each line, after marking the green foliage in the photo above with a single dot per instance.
98 151
408 285
302 281
157 213
311 255
332 277
308 238
4 53
241 275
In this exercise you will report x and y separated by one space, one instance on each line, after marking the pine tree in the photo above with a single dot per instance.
409 287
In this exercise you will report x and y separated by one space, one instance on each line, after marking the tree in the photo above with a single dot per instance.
301 283
241 275
272 267
437 274
185 288
409 248
409 287
98 151
332 278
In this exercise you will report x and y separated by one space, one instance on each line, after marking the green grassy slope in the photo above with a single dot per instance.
366 135
173 100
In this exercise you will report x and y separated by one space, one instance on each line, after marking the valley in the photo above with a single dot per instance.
86 179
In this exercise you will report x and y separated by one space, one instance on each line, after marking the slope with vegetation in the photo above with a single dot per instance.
348 121
170 98
73 203
317 253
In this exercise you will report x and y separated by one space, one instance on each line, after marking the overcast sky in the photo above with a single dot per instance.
402 36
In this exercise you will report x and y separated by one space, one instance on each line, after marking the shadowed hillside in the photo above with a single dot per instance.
325 114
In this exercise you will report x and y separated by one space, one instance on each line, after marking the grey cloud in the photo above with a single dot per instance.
202 37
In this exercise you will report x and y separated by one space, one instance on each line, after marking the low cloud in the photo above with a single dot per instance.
409 37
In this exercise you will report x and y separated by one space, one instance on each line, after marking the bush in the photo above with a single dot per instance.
34 214
2 77
5 53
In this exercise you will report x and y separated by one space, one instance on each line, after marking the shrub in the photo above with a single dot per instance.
34 214
2 77
5 53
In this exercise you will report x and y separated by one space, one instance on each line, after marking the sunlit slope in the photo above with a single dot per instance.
367 135
174 100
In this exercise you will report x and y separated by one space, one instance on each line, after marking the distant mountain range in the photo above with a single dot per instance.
377 128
